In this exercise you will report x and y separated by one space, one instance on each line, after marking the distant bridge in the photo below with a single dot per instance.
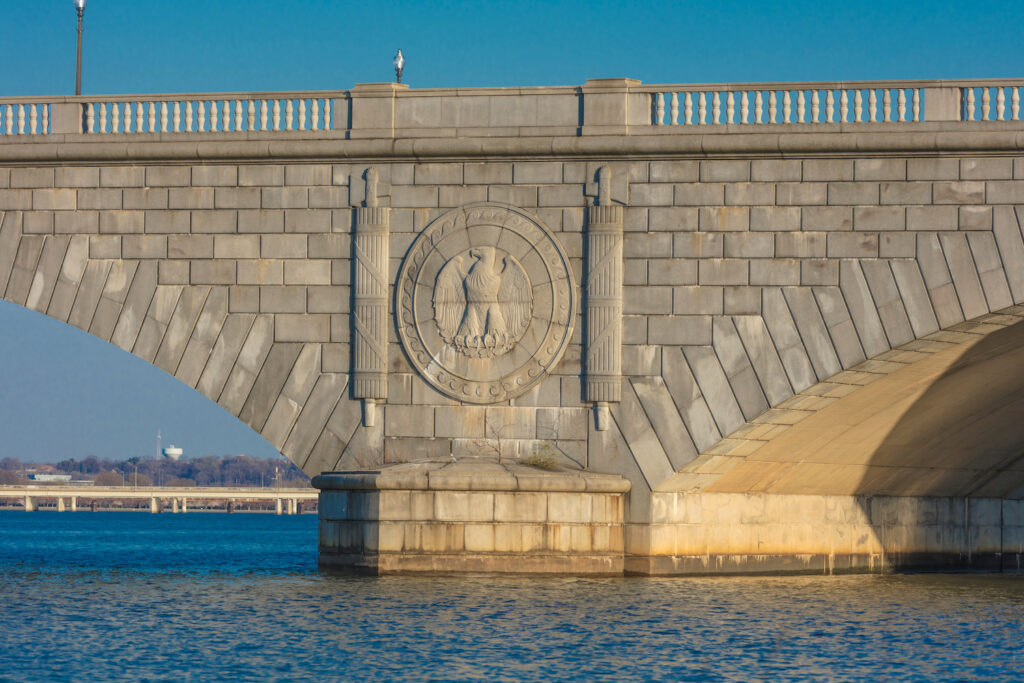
161 498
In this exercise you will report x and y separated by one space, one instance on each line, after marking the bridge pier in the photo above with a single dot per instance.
184 505
60 504
30 504
154 505
277 506
74 503
471 517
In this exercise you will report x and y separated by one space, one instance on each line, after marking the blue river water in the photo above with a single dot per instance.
112 596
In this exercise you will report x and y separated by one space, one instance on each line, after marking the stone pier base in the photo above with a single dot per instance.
758 533
472 517
506 519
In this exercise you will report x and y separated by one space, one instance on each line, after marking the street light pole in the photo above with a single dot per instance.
80 7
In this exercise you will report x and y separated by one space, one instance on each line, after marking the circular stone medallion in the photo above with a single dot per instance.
486 302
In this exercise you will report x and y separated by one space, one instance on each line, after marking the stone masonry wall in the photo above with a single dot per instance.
745 281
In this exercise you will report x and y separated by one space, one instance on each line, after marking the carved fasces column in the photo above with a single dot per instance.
370 301
603 361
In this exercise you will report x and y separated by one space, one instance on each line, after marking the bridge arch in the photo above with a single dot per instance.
695 410
196 334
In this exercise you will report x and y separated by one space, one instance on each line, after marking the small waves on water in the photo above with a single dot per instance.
197 597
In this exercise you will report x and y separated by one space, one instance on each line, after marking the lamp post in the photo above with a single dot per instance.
399 64
80 7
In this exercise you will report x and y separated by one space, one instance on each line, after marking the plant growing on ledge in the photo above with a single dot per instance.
543 458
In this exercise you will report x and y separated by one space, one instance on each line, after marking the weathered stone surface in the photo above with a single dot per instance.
744 281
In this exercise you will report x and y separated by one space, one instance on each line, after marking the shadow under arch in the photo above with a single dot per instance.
68 393
928 458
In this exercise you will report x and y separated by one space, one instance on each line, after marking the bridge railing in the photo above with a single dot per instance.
835 102
597 106
183 113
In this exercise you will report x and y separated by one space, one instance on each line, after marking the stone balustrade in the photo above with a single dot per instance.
375 109
788 103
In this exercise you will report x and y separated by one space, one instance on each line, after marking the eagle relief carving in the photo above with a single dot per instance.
482 302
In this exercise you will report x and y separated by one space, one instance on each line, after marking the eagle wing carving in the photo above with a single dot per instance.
449 299
516 298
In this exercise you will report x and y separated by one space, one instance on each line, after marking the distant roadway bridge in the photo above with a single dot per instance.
160 497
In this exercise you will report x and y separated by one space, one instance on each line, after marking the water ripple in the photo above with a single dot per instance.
129 596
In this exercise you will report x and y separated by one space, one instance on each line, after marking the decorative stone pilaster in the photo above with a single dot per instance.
603 361
370 301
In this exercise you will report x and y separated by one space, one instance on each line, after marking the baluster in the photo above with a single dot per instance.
659 109
758 108
970 104
46 117
21 119
277 114
844 105
730 108
225 122
1014 106
917 104
163 117
138 117
188 116
830 107
263 115
717 108
90 118
873 104
214 119
702 109
815 106
986 104
288 117
103 117
688 109
773 107
302 114
115 118
1001 103
177 117
787 107
327 113
801 107
316 114
887 105
744 107
675 109
10 120
152 117
33 119
902 104
858 107
201 123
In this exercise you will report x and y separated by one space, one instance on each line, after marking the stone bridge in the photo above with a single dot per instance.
785 316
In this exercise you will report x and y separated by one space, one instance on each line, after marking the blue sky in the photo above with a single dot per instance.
65 394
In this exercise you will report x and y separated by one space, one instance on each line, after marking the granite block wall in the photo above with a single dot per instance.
745 282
